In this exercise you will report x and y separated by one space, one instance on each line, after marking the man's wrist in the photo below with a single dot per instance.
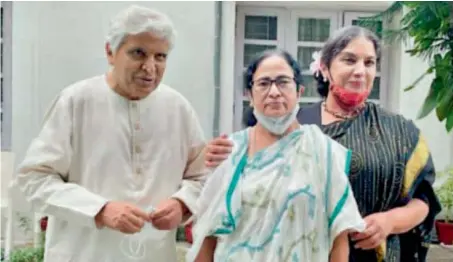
184 209
98 218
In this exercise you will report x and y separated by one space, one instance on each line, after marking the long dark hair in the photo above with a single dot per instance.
248 118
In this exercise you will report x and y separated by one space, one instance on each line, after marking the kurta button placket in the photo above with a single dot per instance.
134 114
138 149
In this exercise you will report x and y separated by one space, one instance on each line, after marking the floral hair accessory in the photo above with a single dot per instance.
315 66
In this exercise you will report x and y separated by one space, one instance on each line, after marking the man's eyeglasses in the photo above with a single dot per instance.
284 84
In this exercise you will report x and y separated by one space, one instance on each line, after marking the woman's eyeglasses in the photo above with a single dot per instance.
283 84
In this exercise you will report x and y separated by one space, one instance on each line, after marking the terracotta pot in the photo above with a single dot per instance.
43 224
188 233
444 232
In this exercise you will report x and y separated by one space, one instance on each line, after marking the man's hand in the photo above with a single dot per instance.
379 226
122 216
168 214
217 151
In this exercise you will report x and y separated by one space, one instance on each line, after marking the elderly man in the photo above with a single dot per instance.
118 164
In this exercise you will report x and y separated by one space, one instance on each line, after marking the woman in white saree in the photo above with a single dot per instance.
283 194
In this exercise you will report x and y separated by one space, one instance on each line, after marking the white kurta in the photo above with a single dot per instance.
97 146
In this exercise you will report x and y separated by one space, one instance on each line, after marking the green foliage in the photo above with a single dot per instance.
430 26
180 234
445 193
27 254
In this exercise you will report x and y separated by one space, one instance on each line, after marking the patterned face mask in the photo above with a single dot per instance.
348 98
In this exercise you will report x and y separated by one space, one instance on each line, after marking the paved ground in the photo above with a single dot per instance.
440 254
437 253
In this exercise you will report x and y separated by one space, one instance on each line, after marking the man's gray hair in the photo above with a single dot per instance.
135 20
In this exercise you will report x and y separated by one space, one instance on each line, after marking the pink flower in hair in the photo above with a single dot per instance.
315 66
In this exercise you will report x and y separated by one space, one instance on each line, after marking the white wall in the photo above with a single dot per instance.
440 143
58 43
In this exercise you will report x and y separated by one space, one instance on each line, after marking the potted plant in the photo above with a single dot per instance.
188 232
444 191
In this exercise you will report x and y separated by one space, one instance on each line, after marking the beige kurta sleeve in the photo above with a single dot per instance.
196 170
41 176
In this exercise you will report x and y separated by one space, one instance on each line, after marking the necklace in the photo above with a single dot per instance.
353 114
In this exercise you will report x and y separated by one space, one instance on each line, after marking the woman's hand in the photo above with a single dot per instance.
379 226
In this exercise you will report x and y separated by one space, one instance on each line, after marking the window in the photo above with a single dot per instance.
261 29
301 33
308 33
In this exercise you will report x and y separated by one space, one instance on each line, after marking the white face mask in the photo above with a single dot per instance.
277 125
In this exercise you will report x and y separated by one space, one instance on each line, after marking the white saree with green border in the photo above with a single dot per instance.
287 202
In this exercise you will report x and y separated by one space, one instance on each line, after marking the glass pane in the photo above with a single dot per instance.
304 56
1 57
310 86
251 50
260 27
244 83
1 18
314 30
306 104
376 27
375 92
246 109
245 92
245 105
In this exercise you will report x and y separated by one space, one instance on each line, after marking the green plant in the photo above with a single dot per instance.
445 193
27 254
430 26
180 234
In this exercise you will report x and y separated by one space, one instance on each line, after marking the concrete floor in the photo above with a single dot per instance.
436 253
440 254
